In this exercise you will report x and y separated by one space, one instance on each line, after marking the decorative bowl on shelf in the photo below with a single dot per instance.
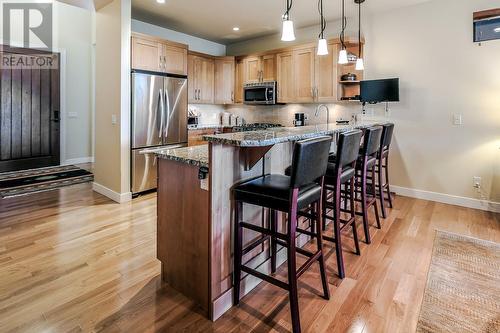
348 77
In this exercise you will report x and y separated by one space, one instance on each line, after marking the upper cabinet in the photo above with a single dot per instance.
259 68
224 80
303 62
157 55
200 79
325 75
284 68
146 54
238 82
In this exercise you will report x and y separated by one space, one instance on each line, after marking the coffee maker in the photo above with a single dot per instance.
300 119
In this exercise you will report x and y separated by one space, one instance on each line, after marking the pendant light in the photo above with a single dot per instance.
343 52
360 66
322 44
288 33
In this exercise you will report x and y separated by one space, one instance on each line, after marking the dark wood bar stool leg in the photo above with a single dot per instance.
374 193
319 240
364 209
274 247
336 231
387 180
292 266
353 214
380 188
237 252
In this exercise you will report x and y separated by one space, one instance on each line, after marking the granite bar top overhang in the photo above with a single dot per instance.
196 155
274 136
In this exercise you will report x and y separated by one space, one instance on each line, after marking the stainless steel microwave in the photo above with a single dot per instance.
260 93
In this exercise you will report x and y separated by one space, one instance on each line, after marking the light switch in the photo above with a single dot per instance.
457 119
113 119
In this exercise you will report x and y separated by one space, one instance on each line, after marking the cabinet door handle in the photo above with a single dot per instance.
232 96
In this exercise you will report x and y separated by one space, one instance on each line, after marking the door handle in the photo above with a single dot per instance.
232 96
162 116
56 116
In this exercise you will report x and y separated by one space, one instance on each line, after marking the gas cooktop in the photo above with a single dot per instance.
255 127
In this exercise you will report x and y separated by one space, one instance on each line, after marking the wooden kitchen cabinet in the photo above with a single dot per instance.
326 76
175 60
238 82
157 55
200 79
146 54
259 68
285 78
303 62
224 80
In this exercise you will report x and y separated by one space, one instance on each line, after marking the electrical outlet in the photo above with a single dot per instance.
457 119
113 119
476 182
72 115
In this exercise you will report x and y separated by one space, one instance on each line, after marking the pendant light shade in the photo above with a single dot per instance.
288 33
322 47
343 52
360 66
343 57
322 44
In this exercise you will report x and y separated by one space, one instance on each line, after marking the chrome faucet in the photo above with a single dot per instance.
318 109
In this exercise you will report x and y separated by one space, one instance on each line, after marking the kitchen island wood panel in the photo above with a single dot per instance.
182 230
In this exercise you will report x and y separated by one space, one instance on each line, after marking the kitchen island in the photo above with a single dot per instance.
195 209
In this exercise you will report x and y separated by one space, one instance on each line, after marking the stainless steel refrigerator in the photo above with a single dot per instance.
159 121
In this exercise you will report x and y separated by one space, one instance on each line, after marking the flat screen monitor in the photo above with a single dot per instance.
375 91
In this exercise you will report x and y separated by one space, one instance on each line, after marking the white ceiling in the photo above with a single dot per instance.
214 19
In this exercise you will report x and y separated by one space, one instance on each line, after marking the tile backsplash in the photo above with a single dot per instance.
279 114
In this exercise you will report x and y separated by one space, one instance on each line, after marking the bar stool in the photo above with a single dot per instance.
287 194
341 171
383 165
366 164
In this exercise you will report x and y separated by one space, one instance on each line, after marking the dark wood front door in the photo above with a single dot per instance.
29 109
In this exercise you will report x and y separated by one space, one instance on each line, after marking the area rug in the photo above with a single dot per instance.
463 286
44 179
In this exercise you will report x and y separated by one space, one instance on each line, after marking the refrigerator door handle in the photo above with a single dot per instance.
160 107
167 114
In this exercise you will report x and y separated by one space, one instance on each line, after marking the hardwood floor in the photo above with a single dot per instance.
72 260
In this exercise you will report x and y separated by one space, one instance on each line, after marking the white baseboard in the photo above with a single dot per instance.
115 196
448 199
79 160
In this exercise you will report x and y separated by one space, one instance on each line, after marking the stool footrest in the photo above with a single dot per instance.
254 244
297 249
302 269
262 230
265 277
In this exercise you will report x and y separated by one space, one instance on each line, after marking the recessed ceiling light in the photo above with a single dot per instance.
160 1
496 29
236 29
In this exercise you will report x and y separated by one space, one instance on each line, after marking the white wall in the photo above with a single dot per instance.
112 150
74 35
302 35
429 46
195 43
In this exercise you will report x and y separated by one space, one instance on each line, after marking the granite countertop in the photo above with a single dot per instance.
196 155
274 136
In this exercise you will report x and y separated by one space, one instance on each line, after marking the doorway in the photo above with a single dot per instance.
29 109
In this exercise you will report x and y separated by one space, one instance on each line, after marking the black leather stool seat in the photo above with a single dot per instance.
273 191
347 173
